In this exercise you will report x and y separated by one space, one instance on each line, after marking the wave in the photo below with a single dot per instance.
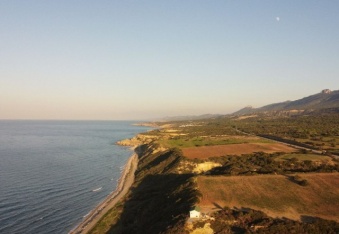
97 189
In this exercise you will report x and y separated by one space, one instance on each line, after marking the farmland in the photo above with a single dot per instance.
197 141
276 195
204 152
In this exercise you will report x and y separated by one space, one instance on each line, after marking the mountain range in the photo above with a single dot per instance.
325 100
190 117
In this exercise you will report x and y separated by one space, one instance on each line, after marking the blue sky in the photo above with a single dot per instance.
149 59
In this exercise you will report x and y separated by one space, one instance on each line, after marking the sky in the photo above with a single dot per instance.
136 60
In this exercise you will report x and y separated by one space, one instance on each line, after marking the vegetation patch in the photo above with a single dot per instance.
317 131
206 229
304 157
109 219
253 221
263 163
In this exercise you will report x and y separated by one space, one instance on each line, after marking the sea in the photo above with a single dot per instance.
53 173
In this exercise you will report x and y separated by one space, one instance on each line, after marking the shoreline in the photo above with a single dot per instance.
124 183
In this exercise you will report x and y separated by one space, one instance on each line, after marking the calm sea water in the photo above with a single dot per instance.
49 169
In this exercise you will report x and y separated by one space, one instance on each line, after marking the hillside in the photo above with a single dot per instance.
286 198
326 99
194 163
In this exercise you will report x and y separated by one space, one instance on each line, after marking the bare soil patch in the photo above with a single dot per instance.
275 195
204 152
246 117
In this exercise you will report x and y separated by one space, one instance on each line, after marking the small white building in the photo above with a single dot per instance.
195 213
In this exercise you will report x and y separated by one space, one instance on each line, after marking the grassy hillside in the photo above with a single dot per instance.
159 200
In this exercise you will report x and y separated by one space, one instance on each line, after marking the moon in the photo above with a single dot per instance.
277 18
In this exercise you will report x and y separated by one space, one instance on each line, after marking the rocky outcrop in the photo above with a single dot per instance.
137 140
326 91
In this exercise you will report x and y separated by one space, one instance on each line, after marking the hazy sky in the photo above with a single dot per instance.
137 59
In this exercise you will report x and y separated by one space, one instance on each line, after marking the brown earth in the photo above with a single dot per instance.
276 195
204 152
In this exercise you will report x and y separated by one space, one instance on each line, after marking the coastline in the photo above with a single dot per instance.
124 183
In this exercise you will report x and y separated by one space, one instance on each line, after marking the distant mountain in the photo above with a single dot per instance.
190 117
244 111
326 99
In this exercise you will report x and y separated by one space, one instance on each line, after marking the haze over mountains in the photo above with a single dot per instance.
326 99
190 117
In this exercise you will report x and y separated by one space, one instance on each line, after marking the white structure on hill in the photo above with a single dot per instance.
195 213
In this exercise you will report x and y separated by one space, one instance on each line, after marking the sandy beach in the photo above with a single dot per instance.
125 182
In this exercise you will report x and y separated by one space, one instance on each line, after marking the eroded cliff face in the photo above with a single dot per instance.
160 199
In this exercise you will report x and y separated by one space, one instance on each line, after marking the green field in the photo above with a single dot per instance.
185 142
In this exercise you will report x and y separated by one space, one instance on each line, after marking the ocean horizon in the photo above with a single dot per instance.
54 172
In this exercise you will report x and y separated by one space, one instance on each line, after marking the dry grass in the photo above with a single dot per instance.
276 195
304 157
204 152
